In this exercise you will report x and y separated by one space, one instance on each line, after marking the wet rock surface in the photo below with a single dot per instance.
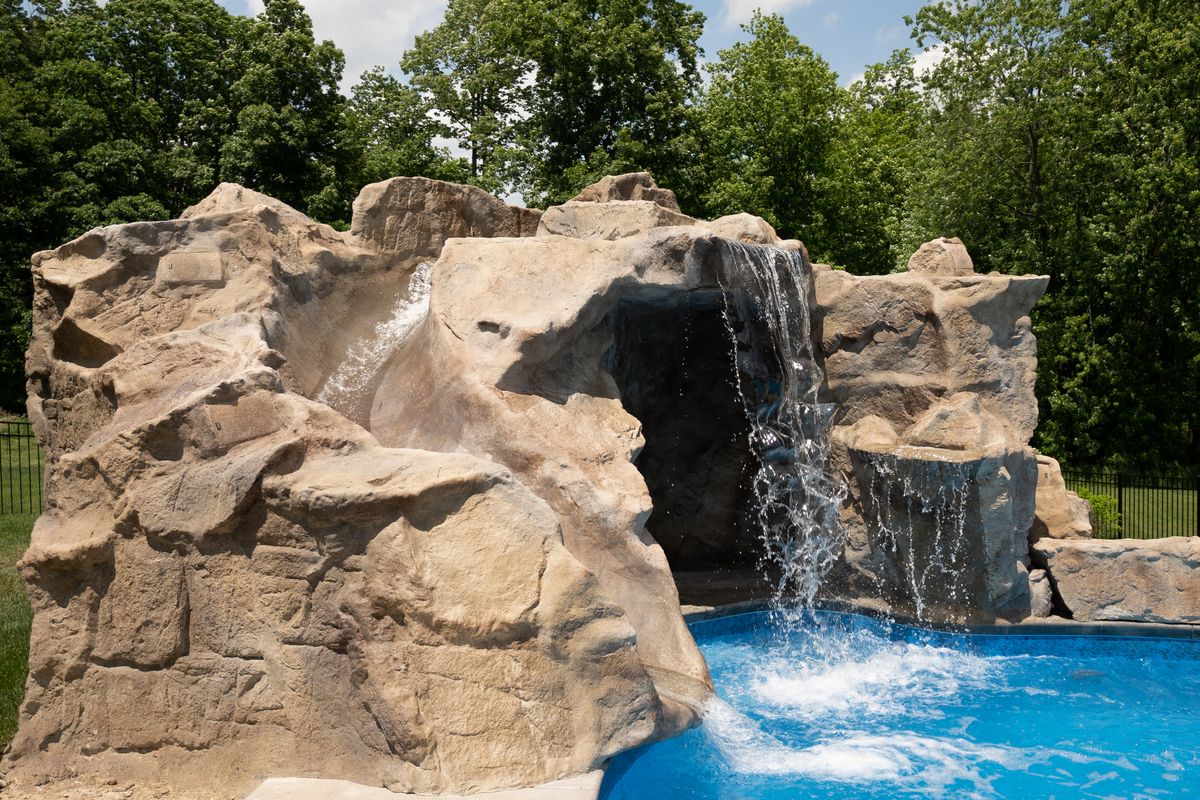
932 376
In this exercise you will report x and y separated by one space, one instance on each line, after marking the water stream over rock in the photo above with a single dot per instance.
353 378
796 497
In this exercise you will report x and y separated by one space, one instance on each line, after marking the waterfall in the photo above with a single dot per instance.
352 379
796 499
918 512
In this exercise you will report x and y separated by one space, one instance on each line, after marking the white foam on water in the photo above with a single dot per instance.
909 760
893 678
366 357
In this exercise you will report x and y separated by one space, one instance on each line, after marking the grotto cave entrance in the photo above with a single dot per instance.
672 359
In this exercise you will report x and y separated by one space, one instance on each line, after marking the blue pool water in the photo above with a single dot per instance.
850 707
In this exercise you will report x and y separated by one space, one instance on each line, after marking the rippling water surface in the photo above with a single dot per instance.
848 707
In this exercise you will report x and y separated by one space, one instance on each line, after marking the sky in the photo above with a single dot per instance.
849 34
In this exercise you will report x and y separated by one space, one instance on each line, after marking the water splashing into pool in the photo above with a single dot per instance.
842 705
796 499
918 512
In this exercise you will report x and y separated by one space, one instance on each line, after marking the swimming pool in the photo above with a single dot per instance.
845 706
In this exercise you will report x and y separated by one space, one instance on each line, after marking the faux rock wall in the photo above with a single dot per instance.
932 373
447 578
233 581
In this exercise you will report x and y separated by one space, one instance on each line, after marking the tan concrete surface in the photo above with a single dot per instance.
581 787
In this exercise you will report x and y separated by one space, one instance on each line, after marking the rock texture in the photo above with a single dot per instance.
947 257
633 186
452 577
511 362
1125 580
1060 513
932 374
416 216
233 581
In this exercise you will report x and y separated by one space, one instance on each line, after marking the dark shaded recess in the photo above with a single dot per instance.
672 360
77 346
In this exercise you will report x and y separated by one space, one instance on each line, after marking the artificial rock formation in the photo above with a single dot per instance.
945 257
452 571
233 581
1060 513
932 376
441 576
1124 579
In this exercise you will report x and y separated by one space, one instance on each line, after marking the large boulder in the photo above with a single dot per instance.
1060 514
613 220
1126 580
632 186
512 362
232 580
947 257
415 216
938 517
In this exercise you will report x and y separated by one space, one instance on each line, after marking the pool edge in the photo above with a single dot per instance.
1053 626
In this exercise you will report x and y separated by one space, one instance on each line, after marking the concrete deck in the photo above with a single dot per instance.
717 588
582 787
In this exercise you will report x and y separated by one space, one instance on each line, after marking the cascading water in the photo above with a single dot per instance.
796 499
918 510
352 379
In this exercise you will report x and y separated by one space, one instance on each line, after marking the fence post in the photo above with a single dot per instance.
1121 504
1196 505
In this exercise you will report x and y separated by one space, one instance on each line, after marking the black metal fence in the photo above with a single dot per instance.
20 469
1139 506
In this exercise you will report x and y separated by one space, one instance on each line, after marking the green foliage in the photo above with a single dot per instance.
468 71
396 132
285 135
766 126
1060 138
871 170
547 96
135 110
1064 139
15 620
1104 506
609 89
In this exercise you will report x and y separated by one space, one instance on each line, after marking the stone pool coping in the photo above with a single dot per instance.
580 787
1051 626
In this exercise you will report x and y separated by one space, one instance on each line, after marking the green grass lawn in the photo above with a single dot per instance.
15 618
1147 513
20 471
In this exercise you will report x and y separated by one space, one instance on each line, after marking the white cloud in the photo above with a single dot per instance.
739 11
369 32
830 20
853 79
926 60
890 34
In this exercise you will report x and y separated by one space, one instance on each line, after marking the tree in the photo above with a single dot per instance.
1064 140
135 109
871 169
610 91
477 83
1134 115
289 138
25 162
397 133
766 124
